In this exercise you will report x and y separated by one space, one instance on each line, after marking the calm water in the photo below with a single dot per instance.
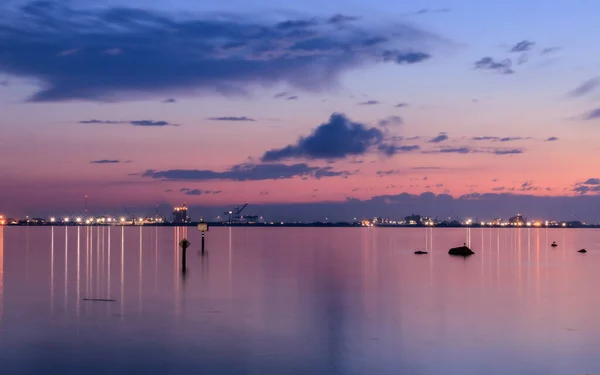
299 301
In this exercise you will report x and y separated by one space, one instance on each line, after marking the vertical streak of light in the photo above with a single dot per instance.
108 293
52 270
156 259
1 273
66 264
97 261
519 264
229 266
482 261
537 268
140 279
87 261
122 272
77 304
498 258
177 235
430 236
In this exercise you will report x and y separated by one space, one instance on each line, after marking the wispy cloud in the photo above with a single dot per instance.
105 161
170 100
439 138
231 118
146 123
585 88
523 46
401 105
488 63
247 172
551 139
592 115
369 102
391 120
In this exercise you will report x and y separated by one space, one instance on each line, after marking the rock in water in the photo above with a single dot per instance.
462 250
582 251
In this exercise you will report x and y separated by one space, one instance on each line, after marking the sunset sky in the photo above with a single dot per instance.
304 109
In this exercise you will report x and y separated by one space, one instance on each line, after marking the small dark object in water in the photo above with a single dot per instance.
462 251
100 300
421 252
582 251
554 244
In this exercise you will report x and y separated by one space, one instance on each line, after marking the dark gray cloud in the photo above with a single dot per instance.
498 139
439 138
391 120
514 151
106 161
469 150
335 139
170 100
510 139
390 149
150 123
293 97
247 172
147 123
405 57
585 88
551 139
123 53
523 46
592 181
201 192
592 115
369 102
231 118
488 63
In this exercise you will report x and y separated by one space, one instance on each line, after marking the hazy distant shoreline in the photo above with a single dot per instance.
301 225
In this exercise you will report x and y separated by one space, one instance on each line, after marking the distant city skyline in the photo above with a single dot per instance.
306 110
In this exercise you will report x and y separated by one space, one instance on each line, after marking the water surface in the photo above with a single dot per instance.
298 301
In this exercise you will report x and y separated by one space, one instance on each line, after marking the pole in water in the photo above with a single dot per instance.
184 245
202 243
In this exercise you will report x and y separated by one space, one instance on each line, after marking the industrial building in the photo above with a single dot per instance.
180 215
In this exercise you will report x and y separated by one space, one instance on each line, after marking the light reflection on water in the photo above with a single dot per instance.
298 301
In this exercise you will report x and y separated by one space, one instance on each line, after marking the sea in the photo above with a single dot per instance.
117 300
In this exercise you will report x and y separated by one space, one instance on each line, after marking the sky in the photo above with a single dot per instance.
306 110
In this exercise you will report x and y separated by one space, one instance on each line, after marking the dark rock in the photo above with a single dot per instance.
554 244
421 252
462 251
582 251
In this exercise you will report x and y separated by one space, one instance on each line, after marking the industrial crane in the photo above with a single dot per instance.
234 215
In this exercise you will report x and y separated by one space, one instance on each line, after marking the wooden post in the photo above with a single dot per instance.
184 245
